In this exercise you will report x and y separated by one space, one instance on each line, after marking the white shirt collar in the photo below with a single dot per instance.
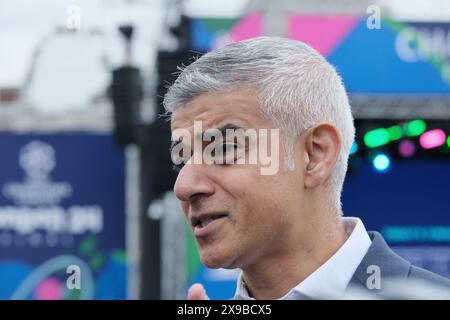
332 278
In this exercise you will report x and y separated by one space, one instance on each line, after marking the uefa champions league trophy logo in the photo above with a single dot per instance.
37 159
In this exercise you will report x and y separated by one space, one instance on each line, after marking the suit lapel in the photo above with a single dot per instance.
380 255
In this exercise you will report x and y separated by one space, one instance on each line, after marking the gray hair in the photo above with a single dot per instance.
297 88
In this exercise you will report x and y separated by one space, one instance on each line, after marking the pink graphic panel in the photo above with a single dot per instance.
322 32
49 289
250 26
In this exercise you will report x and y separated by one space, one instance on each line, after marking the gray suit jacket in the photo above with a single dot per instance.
391 267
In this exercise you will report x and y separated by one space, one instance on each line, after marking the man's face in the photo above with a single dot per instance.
237 215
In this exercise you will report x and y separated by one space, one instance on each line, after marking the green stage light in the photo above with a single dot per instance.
415 128
376 138
395 133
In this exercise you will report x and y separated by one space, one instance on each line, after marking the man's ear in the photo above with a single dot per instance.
322 146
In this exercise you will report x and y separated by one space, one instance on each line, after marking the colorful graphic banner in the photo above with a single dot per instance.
399 58
61 205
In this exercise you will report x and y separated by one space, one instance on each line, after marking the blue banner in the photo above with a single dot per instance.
62 217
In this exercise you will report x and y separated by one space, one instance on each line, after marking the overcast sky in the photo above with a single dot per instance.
25 23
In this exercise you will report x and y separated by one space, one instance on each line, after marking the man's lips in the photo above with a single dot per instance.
203 224
204 218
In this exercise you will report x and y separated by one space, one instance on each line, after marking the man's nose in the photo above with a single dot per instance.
192 181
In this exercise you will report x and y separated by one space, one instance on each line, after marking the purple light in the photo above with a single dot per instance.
432 139
406 148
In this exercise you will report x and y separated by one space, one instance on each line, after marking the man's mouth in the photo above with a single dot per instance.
204 224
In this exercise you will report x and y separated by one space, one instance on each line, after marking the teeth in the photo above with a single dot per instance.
204 223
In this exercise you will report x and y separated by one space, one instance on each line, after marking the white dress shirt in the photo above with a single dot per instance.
332 278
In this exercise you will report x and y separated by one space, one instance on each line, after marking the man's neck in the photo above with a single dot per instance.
274 275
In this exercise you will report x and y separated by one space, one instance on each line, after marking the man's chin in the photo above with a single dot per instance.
214 260
213 263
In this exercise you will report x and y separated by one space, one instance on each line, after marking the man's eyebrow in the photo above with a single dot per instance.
223 129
